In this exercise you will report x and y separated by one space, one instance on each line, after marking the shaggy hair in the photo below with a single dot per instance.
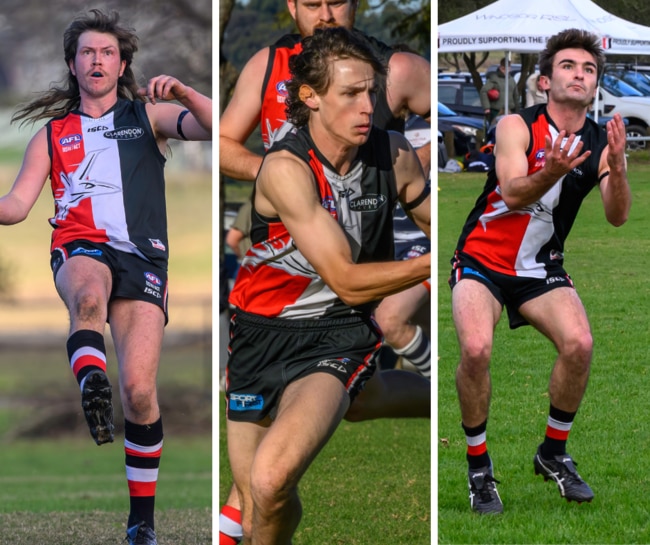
572 38
59 101
313 66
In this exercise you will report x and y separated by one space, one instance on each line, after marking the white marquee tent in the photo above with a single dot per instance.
524 26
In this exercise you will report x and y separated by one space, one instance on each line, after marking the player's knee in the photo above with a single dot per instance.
271 488
475 355
578 349
89 307
139 398
390 324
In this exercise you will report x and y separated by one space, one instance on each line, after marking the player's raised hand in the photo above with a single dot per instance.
163 88
616 142
561 156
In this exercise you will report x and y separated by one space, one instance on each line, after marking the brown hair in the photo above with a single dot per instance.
572 38
59 101
312 66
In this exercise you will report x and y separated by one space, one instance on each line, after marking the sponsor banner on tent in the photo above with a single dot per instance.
524 26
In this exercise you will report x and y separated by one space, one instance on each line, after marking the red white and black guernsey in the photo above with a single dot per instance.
108 181
274 124
275 280
529 242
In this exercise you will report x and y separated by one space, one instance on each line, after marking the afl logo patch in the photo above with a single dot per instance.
539 155
281 88
329 204
125 133
153 279
70 139
367 203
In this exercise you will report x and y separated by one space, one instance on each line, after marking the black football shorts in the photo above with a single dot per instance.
511 291
265 355
133 277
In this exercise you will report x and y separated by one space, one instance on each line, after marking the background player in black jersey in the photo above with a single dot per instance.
102 276
548 158
285 401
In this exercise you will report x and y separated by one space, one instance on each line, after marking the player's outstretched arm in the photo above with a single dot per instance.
196 125
614 186
285 188
518 188
17 203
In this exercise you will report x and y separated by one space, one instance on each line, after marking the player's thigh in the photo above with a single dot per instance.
560 315
309 412
243 441
80 276
137 330
475 312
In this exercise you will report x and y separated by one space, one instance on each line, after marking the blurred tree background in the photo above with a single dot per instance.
175 38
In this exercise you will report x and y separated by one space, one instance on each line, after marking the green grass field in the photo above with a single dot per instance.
50 469
611 434
371 484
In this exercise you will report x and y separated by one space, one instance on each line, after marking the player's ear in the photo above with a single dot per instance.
307 95
544 83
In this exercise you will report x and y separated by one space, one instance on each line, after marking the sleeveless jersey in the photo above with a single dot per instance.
275 280
108 182
529 242
274 124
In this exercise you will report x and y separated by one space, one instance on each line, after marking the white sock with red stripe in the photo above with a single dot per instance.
230 529
558 427
143 447
477 453
86 352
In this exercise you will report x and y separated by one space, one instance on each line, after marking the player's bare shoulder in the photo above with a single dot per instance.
511 131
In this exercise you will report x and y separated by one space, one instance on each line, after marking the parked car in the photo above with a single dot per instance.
637 79
461 97
617 96
468 131
460 76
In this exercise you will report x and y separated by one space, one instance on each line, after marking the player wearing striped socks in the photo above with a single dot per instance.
483 495
87 356
143 447
102 148
230 529
553 462
417 352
